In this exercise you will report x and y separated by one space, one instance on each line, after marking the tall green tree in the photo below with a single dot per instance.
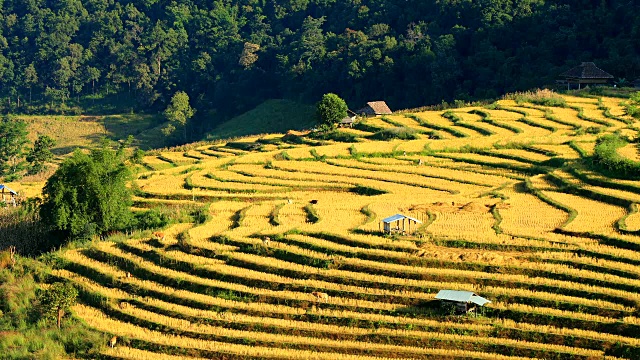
30 78
55 301
179 111
40 154
331 109
13 140
88 195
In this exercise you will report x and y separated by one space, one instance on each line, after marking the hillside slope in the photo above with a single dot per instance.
71 132
272 116
291 262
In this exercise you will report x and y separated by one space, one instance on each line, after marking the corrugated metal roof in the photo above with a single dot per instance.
397 217
479 300
461 296
6 189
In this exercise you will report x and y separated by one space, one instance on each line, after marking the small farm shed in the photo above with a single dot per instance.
8 195
586 73
464 301
396 223
348 120
375 108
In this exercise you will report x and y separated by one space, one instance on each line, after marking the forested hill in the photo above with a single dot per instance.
231 55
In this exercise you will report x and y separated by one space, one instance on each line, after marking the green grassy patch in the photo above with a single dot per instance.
402 133
71 132
272 116
607 159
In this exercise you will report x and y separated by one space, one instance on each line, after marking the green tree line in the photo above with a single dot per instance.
229 56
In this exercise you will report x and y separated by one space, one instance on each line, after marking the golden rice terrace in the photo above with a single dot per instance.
510 210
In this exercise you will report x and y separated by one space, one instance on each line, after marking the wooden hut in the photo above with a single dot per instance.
399 223
7 195
462 301
375 108
348 120
586 73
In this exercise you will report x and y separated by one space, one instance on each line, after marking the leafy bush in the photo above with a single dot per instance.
331 109
293 139
88 194
151 219
335 135
633 106
402 133
606 157
200 214
363 126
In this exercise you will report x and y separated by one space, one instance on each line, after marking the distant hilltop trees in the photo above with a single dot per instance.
73 56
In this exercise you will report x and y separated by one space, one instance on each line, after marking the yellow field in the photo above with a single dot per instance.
561 268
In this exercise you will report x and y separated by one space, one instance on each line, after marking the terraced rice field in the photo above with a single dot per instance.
554 249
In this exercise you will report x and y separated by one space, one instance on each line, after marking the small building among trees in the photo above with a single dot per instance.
348 120
375 108
586 73
397 222
461 301
8 195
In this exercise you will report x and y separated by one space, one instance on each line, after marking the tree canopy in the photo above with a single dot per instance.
230 56
179 111
88 195
13 140
55 301
40 153
331 109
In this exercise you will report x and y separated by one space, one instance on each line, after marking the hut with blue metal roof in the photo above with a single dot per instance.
462 301
7 195
399 223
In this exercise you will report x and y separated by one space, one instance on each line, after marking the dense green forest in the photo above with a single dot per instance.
230 56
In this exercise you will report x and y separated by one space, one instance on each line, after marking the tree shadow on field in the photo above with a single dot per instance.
520 187
422 309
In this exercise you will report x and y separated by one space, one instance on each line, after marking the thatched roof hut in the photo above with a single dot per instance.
375 108
586 73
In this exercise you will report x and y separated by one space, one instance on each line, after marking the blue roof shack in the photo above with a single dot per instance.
464 301
9 193
393 223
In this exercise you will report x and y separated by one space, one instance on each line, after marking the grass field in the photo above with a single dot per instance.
509 211
72 132
270 116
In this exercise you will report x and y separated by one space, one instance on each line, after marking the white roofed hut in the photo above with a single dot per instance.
461 301
399 223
